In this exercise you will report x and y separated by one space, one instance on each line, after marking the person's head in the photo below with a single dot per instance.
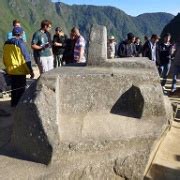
111 39
167 37
137 40
146 38
16 23
154 38
131 37
58 30
75 32
46 25
17 31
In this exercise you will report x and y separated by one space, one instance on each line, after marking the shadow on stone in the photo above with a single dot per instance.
178 157
29 138
159 172
130 104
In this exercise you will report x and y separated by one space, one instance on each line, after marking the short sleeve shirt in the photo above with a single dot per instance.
40 38
10 36
80 43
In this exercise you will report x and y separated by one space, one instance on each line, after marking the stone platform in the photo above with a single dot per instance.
102 120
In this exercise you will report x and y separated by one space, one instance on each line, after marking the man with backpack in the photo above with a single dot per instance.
17 62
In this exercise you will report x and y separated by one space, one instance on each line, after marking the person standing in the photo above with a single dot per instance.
127 48
59 43
176 65
68 55
17 63
41 45
165 55
138 46
150 49
79 48
111 47
16 23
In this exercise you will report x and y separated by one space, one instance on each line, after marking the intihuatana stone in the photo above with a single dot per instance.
94 122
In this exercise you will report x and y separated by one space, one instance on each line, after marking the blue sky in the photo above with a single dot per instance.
134 7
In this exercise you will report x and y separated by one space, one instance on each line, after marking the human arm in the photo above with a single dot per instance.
81 44
81 54
36 43
24 37
27 57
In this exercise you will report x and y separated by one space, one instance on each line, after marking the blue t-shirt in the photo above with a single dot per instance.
10 36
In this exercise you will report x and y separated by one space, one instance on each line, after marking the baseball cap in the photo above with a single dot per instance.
17 31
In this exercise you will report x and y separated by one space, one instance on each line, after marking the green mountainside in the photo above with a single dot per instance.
118 23
173 27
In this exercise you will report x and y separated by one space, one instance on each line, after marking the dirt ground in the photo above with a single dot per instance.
166 164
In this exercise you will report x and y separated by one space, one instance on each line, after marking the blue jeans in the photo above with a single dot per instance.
176 71
164 72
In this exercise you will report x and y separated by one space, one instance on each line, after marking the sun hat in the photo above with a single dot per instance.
111 38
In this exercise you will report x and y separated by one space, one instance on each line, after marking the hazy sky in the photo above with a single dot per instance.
134 7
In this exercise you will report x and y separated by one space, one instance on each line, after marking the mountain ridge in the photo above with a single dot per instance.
118 23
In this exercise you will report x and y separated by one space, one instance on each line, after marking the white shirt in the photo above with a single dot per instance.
153 51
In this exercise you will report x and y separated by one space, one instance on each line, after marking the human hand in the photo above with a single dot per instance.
44 46
32 75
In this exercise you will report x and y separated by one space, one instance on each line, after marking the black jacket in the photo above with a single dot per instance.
146 51
58 50
165 53
126 50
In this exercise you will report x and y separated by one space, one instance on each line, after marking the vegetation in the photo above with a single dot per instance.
118 23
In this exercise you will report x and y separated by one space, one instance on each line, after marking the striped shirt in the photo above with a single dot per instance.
80 43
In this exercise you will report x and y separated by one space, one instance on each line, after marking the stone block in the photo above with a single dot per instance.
97 50
84 110
101 121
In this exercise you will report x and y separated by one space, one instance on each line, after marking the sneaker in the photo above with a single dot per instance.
173 90
164 88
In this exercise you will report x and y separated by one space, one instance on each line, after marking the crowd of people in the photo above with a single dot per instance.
161 51
60 50
48 53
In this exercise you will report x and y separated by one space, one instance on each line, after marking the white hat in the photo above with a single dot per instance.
111 37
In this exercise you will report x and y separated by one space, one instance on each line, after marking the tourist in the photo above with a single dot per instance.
59 43
16 23
150 49
176 64
17 63
79 48
127 48
68 55
41 45
165 55
111 47
138 46
146 39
